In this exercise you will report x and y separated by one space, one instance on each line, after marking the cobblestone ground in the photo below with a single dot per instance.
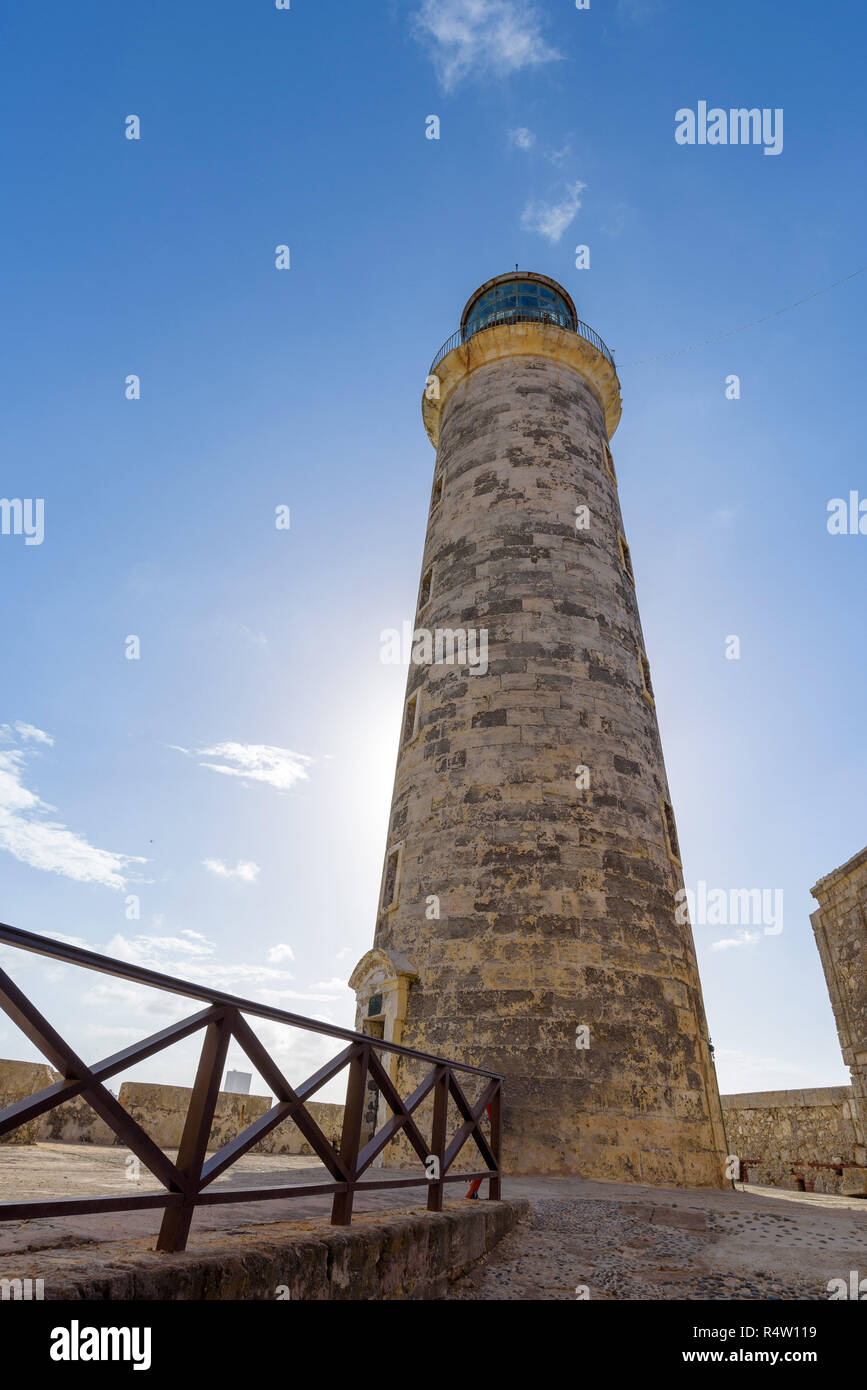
635 1251
619 1240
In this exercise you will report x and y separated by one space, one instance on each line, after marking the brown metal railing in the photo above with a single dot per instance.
186 1179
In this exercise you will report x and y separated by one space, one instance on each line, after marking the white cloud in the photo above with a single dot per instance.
557 156
277 996
223 976
254 762
27 732
743 938
134 999
245 869
481 37
178 955
27 832
148 950
551 220
522 138
333 984
280 952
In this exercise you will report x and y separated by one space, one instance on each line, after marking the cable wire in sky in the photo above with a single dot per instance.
693 347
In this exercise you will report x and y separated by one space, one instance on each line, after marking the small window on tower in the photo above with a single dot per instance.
426 587
644 668
609 463
391 878
671 843
410 718
625 557
437 496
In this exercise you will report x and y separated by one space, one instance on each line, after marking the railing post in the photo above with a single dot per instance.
175 1227
438 1138
494 1186
350 1138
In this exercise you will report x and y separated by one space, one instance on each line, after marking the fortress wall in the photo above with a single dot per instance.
802 1140
160 1110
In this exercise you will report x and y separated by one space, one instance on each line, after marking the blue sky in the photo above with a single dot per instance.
258 729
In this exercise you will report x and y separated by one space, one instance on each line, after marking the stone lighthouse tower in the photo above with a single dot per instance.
527 917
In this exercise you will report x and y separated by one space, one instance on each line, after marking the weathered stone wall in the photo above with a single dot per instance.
840 927
18 1080
556 905
160 1110
802 1140
288 1139
379 1257
75 1123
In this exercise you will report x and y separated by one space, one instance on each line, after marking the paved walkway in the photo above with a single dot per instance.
620 1241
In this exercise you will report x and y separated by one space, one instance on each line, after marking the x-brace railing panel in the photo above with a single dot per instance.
187 1182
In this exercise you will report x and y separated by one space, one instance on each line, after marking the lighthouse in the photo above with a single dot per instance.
527 916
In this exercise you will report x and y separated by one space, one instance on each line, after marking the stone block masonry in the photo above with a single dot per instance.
805 1141
383 1257
840 927
555 903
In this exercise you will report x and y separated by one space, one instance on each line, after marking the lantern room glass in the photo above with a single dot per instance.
516 300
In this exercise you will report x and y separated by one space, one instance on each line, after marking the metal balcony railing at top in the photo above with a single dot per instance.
186 1179
510 316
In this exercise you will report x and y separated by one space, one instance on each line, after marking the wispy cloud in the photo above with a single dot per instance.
189 955
28 832
278 996
558 156
551 220
254 762
150 950
521 138
743 938
280 952
334 984
481 38
27 733
245 869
